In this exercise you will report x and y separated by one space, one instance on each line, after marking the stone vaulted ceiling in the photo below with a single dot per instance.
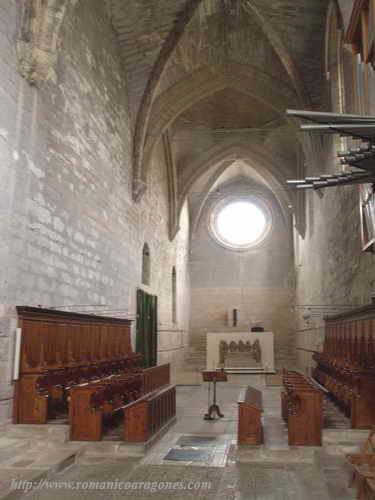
210 79
196 66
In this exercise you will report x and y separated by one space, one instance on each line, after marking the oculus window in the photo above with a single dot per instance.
240 223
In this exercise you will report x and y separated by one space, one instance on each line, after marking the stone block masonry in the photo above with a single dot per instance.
70 232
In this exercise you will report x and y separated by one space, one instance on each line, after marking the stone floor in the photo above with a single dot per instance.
194 459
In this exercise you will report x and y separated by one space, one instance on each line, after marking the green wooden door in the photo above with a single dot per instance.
147 320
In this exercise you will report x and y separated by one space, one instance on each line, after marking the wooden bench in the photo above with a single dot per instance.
250 407
156 377
146 416
302 409
58 350
91 403
363 464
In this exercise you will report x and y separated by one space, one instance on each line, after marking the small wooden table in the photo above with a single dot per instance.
214 376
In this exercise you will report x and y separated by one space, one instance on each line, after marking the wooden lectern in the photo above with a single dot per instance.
214 376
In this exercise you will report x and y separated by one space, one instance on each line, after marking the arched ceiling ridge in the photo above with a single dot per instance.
41 22
144 114
207 81
262 168
254 157
280 49
139 185
236 150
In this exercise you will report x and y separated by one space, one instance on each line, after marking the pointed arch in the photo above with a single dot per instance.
144 113
334 39
255 158
207 81
139 184
280 49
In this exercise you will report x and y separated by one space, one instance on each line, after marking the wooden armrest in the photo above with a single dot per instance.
368 475
368 461
362 459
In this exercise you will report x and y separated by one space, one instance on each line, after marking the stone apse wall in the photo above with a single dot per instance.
258 282
70 232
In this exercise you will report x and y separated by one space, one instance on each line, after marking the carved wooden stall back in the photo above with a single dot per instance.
346 366
85 363
61 349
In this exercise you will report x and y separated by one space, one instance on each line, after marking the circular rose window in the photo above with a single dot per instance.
240 223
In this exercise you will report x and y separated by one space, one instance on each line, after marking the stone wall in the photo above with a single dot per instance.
258 282
331 267
70 233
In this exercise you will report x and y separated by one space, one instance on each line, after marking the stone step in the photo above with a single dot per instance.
333 417
24 467
340 442
9 447
118 449
260 454
26 461
39 433
337 474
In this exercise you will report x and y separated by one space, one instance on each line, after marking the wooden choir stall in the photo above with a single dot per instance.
346 366
302 410
84 365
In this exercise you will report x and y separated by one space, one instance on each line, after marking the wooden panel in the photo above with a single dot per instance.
348 371
249 425
305 428
31 342
156 377
136 424
29 407
144 418
249 418
54 341
85 424
302 408
363 406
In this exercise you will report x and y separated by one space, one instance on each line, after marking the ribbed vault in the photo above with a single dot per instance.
178 53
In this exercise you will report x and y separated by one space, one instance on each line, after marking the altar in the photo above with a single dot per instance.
241 352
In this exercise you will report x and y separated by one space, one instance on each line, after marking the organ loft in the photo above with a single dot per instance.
187 238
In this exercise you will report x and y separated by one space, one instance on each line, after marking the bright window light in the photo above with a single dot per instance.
241 223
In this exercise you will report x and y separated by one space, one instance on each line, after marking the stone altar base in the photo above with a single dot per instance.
240 360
